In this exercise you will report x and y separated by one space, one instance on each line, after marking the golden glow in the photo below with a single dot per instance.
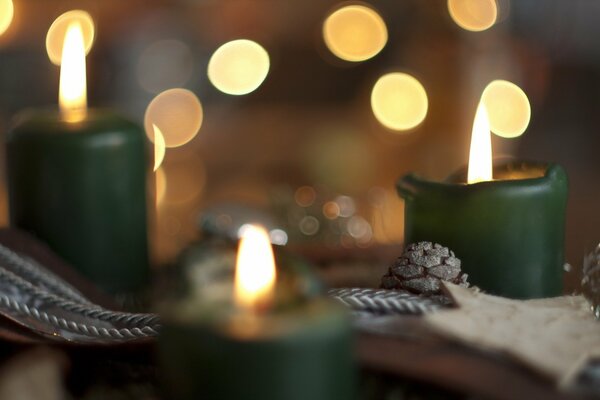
57 31
159 147
161 185
480 155
179 114
255 270
473 15
387 216
508 108
355 33
165 64
7 12
186 175
238 67
399 101
72 93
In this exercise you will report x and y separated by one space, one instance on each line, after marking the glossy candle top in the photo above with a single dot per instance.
507 171
508 175
49 122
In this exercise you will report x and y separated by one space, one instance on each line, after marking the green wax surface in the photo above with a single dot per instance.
302 354
508 233
81 188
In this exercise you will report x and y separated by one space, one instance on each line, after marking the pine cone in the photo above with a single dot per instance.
421 269
590 283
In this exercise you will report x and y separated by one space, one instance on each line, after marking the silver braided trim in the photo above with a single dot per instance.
381 301
31 270
77 327
90 311
73 314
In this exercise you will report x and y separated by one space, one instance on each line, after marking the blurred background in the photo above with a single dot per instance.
308 145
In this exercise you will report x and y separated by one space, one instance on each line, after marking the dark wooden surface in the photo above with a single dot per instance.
433 362
456 368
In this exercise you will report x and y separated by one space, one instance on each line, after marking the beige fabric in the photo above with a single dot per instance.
552 335
34 375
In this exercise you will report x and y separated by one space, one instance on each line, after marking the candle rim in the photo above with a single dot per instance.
523 169
300 319
49 120
409 183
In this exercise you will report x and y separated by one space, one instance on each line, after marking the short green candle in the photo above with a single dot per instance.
299 354
295 346
81 187
509 232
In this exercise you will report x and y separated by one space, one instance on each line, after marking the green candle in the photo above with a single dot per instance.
509 232
77 180
81 188
228 345
305 354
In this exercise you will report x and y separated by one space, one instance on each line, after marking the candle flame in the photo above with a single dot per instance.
159 147
7 11
72 94
480 155
161 186
255 270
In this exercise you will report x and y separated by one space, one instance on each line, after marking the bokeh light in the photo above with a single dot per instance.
165 64
508 108
473 15
346 205
305 196
278 237
238 67
7 12
360 229
331 210
159 147
178 113
309 225
57 31
399 101
355 33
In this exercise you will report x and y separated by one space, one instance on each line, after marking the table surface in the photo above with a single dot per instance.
417 366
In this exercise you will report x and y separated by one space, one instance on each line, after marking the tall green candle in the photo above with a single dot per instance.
81 188
508 233
77 180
